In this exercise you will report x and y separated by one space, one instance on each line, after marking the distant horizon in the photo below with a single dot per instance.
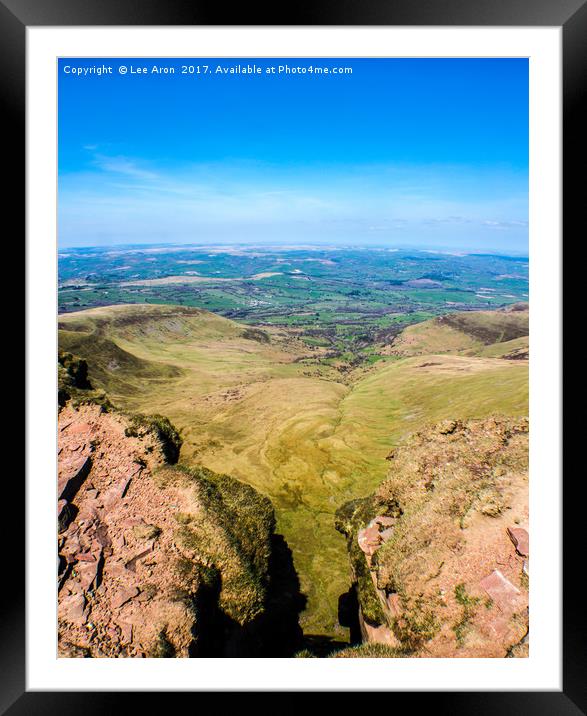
293 247
412 153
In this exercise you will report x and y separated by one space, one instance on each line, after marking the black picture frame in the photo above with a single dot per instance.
571 15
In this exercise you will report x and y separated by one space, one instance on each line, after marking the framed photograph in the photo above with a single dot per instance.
294 351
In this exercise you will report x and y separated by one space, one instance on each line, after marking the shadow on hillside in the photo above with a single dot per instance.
275 633
321 645
348 614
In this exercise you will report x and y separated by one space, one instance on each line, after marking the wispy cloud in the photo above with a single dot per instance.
122 165
491 223
121 199
449 220
504 224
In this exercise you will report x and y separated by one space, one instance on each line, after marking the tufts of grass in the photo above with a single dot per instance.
162 648
469 604
146 531
354 515
192 575
418 622
525 581
304 654
163 430
229 539
369 651
149 591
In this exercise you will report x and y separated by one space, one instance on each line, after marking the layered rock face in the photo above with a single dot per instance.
440 553
157 560
116 591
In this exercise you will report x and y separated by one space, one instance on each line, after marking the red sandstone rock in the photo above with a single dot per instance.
85 557
99 541
72 473
72 608
116 569
90 573
124 596
132 563
125 632
132 522
369 540
520 538
394 604
65 513
380 634
79 429
101 538
117 492
87 516
500 589
372 537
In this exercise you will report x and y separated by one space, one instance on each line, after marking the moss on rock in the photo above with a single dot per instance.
162 428
229 531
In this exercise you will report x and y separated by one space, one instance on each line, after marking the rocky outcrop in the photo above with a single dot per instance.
157 560
440 552
73 382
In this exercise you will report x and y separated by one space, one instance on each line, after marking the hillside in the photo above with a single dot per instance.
439 551
465 332
157 560
261 405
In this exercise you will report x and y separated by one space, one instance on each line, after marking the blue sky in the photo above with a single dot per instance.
402 152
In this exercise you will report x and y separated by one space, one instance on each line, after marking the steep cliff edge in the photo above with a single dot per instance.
439 553
157 559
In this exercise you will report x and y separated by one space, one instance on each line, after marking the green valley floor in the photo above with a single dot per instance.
262 406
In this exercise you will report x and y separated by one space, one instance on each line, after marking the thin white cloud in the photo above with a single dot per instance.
123 165
124 200
504 224
448 220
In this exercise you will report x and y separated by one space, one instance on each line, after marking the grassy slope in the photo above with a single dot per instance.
500 350
309 443
466 332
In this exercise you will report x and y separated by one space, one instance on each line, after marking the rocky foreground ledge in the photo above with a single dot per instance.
156 560
440 552
115 541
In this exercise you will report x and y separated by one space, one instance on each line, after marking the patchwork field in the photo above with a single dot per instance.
344 299
308 431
